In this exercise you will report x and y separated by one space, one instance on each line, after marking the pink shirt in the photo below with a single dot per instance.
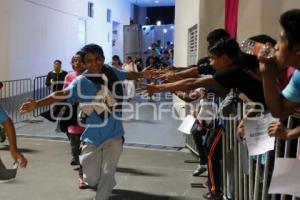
68 79
285 77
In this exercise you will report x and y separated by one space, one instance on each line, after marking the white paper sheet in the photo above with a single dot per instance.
286 177
257 138
187 124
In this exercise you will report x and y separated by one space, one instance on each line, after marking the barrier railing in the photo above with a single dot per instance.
40 90
13 94
250 182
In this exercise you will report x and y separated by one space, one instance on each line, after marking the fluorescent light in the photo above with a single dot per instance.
158 23
165 30
156 1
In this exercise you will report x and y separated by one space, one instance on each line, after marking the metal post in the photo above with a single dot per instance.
265 177
257 179
251 178
236 167
287 147
241 183
224 162
246 186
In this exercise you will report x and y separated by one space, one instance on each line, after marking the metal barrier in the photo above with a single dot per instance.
40 90
250 182
12 95
15 92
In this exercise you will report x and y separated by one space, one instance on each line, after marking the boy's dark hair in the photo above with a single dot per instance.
116 57
57 61
93 49
78 53
129 57
250 61
228 47
290 22
216 35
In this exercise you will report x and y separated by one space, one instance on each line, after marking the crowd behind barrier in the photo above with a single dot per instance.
247 177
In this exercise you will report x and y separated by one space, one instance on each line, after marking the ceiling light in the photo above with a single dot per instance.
158 23
156 1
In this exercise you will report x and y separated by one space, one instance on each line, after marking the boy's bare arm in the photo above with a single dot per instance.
32 104
11 135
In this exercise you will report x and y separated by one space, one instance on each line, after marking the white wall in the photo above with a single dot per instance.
4 39
262 21
40 31
36 32
255 17
186 16
211 16
99 31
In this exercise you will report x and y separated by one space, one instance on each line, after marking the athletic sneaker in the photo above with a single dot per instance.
74 162
7 175
82 184
210 196
200 170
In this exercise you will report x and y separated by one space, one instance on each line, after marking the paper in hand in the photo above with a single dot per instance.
187 124
256 133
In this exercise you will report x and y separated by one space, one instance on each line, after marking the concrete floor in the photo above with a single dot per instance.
143 174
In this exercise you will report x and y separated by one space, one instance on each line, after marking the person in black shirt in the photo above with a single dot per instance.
243 75
154 56
139 62
203 66
234 75
55 78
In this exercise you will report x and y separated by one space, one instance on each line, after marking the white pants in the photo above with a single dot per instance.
130 88
99 165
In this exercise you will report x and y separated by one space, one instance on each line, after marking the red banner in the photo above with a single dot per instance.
231 16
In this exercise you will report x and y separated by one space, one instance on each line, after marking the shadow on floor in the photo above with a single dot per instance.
22 150
133 195
142 121
137 172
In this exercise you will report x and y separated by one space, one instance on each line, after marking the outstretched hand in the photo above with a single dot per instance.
150 89
277 129
19 158
28 106
150 74
165 74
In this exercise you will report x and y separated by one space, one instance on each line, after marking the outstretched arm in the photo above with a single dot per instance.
183 85
188 73
277 129
147 74
32 104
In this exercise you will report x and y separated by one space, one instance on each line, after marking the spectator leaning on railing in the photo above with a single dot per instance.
287 53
